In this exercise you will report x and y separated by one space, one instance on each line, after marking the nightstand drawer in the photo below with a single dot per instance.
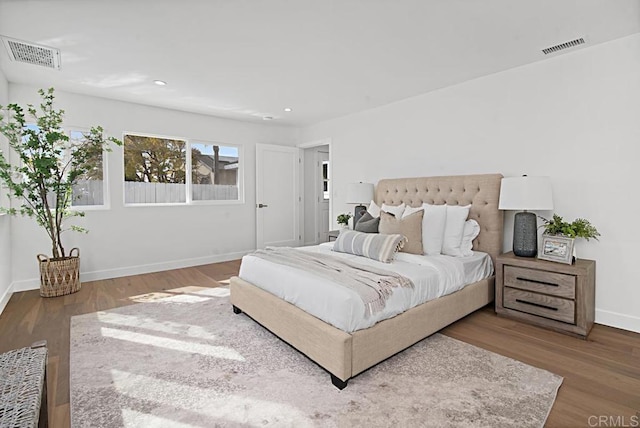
539 281
540 304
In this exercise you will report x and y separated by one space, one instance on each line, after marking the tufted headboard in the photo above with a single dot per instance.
481 191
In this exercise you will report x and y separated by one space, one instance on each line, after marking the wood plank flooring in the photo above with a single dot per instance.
602 374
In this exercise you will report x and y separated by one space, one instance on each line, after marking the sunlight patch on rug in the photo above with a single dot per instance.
174 295
172 327
133 419
150 297
176 345
183 298
214 292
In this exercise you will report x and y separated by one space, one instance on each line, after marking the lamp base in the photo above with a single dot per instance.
525 235
357 213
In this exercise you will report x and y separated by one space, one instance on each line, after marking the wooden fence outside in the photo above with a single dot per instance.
91 192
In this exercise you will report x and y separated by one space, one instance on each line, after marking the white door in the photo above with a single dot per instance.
323 190
277 196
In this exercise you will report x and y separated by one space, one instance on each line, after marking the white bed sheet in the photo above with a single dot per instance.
432 276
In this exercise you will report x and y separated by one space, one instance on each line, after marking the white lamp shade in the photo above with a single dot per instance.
359 193
526 193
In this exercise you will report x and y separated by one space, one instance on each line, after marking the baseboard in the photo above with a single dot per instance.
34 284
614 319
4 299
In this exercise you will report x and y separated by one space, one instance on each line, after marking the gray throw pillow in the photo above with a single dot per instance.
367 223
374 246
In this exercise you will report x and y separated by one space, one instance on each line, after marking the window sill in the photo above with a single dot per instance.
90 207
184 204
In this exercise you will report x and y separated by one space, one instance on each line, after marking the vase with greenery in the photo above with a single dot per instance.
46 164
579 228
343 219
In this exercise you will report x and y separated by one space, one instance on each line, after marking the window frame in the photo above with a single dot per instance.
106 194
106 190
326 194
240 183
188 173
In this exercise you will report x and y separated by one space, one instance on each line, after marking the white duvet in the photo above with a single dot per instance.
433 277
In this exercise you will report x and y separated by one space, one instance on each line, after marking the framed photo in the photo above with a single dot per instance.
557 249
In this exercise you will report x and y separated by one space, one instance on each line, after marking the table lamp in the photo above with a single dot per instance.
525 193
359 193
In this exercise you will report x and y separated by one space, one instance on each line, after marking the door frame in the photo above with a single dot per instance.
309 145
320 196
297 197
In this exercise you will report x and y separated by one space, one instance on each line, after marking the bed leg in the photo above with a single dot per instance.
338 383
236 310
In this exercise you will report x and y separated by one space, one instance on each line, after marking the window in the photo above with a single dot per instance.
90 187
169 170
325 180
154 170
214 172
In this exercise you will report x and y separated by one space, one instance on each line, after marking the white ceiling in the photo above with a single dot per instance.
246 59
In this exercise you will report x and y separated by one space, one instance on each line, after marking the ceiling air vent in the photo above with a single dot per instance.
563 46
32 54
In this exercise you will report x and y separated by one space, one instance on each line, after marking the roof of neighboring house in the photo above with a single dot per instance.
208 160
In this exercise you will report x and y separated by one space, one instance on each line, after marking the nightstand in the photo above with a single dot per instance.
548 294
333 235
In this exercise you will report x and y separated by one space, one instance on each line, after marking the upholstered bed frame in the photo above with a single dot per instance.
345 355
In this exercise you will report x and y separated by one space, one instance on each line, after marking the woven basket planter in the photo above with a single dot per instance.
59 276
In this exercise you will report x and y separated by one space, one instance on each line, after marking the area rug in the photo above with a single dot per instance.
188 361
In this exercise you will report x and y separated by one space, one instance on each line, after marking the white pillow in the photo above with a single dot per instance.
374 210
410 210
454 228
433 223
471 232
396 210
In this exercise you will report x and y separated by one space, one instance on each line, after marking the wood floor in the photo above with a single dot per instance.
601 375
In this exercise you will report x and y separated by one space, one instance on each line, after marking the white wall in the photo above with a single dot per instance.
574 117
126 240
5 220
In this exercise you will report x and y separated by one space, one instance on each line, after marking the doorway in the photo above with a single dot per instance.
317 193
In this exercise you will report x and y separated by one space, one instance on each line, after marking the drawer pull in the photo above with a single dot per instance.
536 304
519 278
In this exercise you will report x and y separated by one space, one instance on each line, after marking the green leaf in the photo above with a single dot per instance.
579 228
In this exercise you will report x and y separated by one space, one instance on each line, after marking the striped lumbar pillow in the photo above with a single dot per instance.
371 245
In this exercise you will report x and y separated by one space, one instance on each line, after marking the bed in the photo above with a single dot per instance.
343 354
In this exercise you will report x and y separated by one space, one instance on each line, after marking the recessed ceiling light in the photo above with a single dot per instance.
267 117
160 82
288 109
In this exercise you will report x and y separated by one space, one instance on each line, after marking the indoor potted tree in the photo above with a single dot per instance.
47 165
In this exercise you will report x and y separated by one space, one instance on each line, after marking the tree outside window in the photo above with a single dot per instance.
155 170
89 189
